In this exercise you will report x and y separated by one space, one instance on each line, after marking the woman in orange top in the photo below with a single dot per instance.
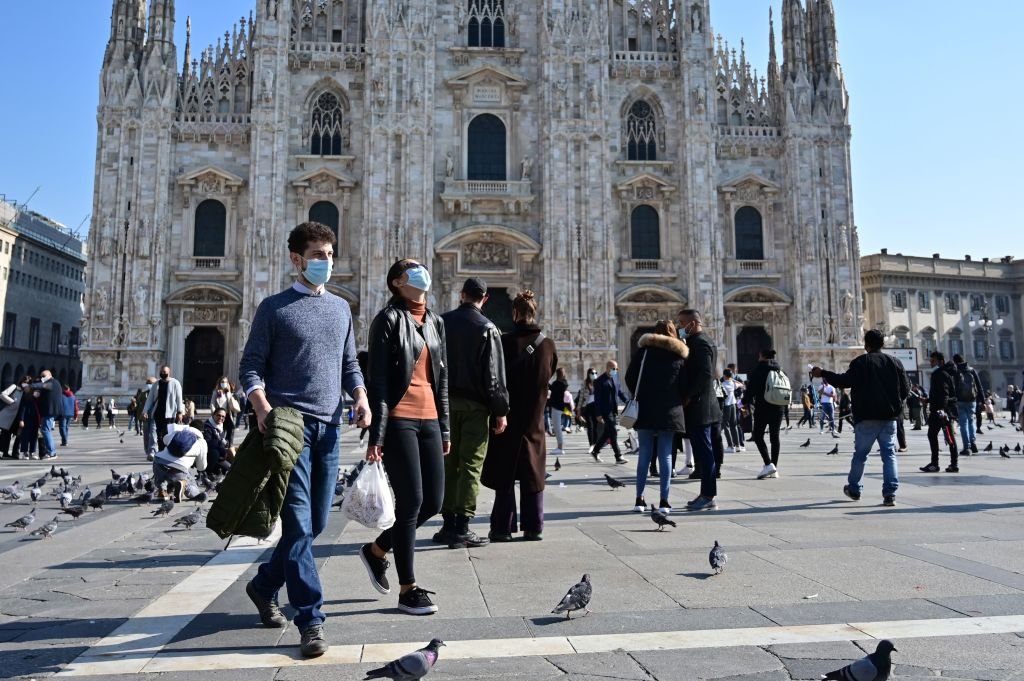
408 393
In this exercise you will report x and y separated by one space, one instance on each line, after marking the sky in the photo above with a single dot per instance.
929 97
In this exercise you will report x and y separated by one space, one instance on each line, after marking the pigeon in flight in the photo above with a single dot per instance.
717 558
187 521
988 447
558 464
577 598
874 667
411 667
165 508
807 443
612 482
46 531
834 450
660 519
24 521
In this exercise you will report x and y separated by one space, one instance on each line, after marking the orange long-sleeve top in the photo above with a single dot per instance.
418 401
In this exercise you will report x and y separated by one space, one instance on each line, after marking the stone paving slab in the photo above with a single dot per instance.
814 612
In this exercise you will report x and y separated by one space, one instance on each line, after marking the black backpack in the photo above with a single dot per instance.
964 380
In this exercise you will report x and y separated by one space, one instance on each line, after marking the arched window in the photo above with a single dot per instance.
749 234
486 26
486 157
210 229
641 133
645 234
325 126
326 213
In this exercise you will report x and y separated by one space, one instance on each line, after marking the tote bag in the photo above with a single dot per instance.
632 410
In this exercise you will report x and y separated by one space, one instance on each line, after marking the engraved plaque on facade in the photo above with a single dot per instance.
487 255
487 94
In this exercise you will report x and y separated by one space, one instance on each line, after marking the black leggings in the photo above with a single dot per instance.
414 463
769 418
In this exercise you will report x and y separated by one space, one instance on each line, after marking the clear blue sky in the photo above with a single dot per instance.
935 142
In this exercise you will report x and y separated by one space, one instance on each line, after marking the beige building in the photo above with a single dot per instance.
615 156
968 307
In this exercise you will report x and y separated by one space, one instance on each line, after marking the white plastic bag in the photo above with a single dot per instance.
368 501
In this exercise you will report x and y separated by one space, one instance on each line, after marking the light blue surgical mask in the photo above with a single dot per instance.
614 372
418 278
318 272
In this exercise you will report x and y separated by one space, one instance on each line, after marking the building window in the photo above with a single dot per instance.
952 302
54 338
73 342
210 229
1002 305
326 126
326 213
956 343
980 346
924 301
641 133
749 234
486 153
1006 353
977 302
645 233
928 344
10 329
486 27
902 334
898 300
33 334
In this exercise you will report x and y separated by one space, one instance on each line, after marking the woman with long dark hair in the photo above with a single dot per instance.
519 453
409 432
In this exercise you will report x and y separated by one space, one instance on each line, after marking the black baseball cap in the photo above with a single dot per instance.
475 287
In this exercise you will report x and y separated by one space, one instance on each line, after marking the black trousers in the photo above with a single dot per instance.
901 434
414 462
610 432
936 426
767 418
161 430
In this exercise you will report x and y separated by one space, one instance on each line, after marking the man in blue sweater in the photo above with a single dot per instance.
301 353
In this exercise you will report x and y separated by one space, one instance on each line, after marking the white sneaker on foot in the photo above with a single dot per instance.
684 471
557 451
730 450
768 471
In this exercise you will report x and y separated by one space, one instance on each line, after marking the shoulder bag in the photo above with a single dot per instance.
631 411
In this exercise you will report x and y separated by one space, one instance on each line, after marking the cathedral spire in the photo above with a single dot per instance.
794 38
188 46
127 30
161 30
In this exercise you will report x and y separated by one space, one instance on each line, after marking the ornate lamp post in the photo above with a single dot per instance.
983 321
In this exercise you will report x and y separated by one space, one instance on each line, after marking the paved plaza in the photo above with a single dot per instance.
812 580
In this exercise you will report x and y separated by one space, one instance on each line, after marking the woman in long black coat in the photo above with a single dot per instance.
659 395
519 453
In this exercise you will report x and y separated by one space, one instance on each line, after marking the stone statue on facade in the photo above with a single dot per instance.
527 167
449 165
695 22
261 240
99 310
346 135
267 85
702 100
140 300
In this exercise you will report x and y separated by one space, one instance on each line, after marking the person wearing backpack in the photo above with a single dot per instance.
941 401
879 387
968 394
770 390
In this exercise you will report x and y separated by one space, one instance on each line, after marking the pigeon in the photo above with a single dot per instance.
143 498
41 482
988 447
74 511
558 464
1017 448
46 531
10 489
86 496
834 450
660 519
717 558
187 521
1005 453
53 472
65 499
874 667
612 482
411 667
35 492
199 498
999 425
96 503
24 521
577 598
15 495
115 476
807 443
165 508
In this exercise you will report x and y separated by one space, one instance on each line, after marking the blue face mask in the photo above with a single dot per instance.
614 372
683 333
318 272
418 278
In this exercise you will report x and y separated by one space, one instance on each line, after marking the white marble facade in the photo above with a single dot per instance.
615 156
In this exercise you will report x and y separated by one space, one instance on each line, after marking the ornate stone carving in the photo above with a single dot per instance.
754 297
754 315
137 373
749 193
203 296
120 331
211 183
99 309
487 255
648 297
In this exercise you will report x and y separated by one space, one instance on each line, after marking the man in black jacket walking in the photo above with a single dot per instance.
476 395
942 402
700 406
879 387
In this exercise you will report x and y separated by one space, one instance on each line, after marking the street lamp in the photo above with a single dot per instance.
890 338
68 345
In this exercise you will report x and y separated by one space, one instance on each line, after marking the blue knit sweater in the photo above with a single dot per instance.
301 350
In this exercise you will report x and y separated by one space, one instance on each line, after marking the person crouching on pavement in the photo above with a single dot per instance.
219 453
184 449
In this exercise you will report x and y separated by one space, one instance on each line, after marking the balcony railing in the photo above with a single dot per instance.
749 131
750 268
488 187
207 263
636 57
334 48
645 266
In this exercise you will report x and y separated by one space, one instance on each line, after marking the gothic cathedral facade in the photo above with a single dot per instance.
611 155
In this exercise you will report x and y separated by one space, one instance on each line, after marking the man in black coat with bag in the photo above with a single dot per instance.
700 405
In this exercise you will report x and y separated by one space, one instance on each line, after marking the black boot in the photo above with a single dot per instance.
446 535
465 537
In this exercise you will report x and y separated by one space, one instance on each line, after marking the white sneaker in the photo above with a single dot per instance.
741 449
730 450
557 451
684 471
768 471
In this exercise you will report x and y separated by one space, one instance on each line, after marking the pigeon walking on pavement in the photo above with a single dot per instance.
1005 453
558 464
834 450
875 667
612 482
96 503
46 531
24 521
164 509
988 447
411 667
35 491
74 511
10 489
806 443
187 521
717 558
577 598
660 519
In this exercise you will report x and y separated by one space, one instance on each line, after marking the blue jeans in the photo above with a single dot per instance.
865 435
46 430
303 517
704 456
65 426
965 415
647 440
149 436
827 412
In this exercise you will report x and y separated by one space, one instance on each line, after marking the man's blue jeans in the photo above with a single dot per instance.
46 430
828 410
965 415
865 435
647 442
149 442
303 517
65 426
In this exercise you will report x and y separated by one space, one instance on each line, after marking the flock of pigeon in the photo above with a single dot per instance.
74 500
